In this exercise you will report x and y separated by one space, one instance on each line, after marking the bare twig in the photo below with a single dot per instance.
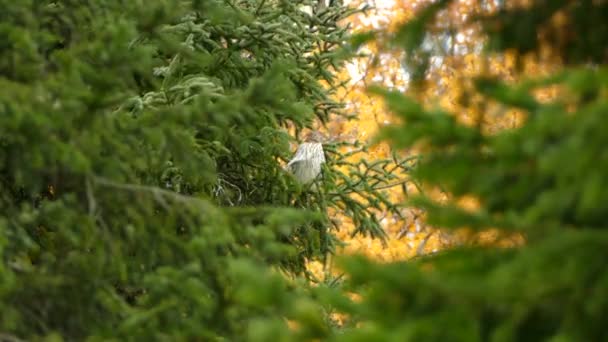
159 193
421 246
4 337
91 198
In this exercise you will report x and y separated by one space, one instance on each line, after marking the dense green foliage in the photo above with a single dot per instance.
141 189
142 195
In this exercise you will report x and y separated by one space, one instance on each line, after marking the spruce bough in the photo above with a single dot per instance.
141 191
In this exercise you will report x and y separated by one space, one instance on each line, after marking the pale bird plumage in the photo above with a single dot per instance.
306 163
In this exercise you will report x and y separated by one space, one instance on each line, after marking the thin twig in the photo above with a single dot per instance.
4 337
159 193
421 246
386 186
91 198
383 187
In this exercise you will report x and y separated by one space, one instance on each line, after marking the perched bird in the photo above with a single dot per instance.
306 163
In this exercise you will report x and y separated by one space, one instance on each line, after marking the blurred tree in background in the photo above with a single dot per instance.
543 177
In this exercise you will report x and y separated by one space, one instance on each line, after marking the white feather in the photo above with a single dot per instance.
306 163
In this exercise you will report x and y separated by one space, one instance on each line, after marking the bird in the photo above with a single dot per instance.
306 163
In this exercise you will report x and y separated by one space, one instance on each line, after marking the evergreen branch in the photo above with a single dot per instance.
388 186
382 187
259 8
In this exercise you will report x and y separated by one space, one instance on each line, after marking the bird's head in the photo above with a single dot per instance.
315 137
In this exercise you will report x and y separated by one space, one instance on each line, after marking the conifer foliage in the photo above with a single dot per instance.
142 193
141 189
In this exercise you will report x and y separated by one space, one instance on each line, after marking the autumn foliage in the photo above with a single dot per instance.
505 103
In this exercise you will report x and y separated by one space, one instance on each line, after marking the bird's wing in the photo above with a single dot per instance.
299 156
291 166
307 152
